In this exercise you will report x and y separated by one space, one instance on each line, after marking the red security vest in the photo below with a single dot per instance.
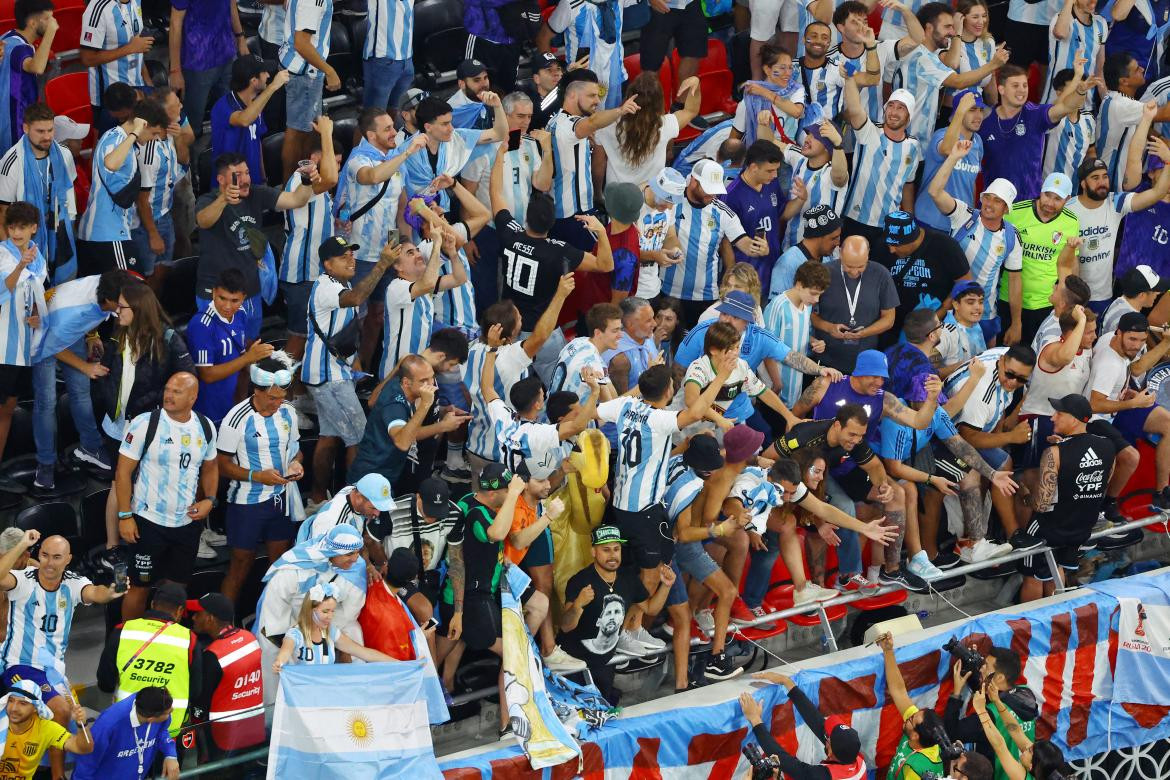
853 771
237 704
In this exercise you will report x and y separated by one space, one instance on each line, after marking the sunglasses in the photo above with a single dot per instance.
1021 378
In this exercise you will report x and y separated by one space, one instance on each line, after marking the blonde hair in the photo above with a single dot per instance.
305 621
964 7
745 278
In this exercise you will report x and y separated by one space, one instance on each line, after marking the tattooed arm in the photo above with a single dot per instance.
965 452
811 396
1045 498
900 413
806 365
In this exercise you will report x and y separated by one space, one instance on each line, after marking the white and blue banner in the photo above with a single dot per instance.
352 722
1142 674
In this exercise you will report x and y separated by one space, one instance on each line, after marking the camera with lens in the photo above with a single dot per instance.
762 766
970 659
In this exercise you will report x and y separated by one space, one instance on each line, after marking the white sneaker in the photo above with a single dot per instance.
628 644
650 642
706 620
920 565
812 593
212 538
560 661
206 550
983 550
311 507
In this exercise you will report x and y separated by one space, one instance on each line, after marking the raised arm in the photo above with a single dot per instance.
360 292
854 112
895 685
1147 198
599 119
251 112
937 188
920 418
1132 173
970 78
548 319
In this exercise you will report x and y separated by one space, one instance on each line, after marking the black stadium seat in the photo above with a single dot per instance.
273 167
341 57
51 518
440 38
344 132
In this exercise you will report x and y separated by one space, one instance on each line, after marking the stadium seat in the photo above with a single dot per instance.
344 132
178 294
67 92
875 19
51 518
715 82
273 167
250 590
633 66
8 9
93 518
440 39
68 37
341 57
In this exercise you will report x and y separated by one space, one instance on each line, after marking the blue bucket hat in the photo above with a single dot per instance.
871 362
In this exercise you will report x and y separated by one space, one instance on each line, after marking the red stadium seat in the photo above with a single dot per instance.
875 19
68 37
8 10
716 82
69 95
633 66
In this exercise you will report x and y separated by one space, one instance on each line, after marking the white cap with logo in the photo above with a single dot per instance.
709 175
1002 189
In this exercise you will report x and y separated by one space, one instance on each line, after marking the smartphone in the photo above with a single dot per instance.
235 179
583 52
761 234
393 238
513 140
121 577
430 624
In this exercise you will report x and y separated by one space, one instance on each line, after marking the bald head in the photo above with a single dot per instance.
55 555
180 393
854 256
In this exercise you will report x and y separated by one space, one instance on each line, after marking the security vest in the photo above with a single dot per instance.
237 704
156 652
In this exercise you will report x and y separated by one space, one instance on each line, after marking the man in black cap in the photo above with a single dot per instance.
842 745
544 89
1140 288
925 264
406 108
1074 473
473 80
822 236
237 121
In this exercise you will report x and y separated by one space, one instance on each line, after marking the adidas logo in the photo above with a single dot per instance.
1090 459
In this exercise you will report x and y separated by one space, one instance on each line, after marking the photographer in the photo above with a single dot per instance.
1000 669
843 757
1019 759
921 747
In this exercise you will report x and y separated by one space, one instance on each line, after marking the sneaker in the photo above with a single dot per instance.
650 642
1112 512
109 558
920 566
983 550
740 614
46 478
946 559
212 538
720 667
855 583
100 459
698 635
705 618
904 579
1160 502
1103 523
759 612
1022 540
311 507
206 550
691 685
457 474
628 644
560 661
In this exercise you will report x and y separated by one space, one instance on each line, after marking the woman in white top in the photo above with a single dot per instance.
634 148
314 640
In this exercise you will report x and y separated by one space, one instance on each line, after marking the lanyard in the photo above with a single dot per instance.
851 301
140 746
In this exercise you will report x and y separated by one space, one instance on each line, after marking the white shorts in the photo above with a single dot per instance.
765 14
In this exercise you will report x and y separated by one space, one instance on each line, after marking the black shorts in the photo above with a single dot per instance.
501 60
10 378
163 553
1026 43
855 483
97 257
647 534
1028 454
947 464
1066 547
687 26
482 623
1108 430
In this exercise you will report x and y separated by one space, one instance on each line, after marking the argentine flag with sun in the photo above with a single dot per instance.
352 722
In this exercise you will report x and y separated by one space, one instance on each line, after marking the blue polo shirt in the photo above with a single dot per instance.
117 740
213 341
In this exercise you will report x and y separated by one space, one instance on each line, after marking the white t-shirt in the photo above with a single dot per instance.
742 380
1098 231
1109 375
653 226
619 169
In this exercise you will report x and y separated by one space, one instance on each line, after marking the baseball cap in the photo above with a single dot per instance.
905 97
1002 189
65 129
844 742
901 228
411 98
402 567
171 594
820 221
494 477
605 534
1075 404
871 362
215 604
965 287
1058 184
702 454
739 304
1090 164
1133 322
668 186
1142 279
436 497
249 66
741 442
376 489
978 93
469 68
709 175
546 60
334 246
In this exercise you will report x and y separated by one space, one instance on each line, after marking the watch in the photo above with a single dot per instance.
214 501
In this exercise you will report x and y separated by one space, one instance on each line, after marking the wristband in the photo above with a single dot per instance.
871 48
125 515
249 475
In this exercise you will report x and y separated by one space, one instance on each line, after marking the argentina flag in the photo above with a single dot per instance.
352 722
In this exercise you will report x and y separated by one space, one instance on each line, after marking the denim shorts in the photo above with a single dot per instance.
678 591
339 413
296 303
146 258
693 559
252 309
452 391
302 100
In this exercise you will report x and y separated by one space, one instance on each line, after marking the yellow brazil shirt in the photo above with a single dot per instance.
1041 244
22 752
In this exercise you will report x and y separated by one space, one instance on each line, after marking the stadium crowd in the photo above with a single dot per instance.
799 337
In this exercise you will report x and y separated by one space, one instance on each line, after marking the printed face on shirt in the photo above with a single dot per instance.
40 134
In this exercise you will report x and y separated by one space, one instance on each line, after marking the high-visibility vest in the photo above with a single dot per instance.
164 661
237 704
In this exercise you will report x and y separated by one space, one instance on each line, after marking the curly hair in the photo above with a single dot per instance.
638 133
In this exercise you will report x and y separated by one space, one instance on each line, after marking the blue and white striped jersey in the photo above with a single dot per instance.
583 23
406 327
334 512
420 169
319 365
168 472
161 171
39 620
1117 119
520 166
1068 144
871 99
103 220
1037 13
73 312
391 32
1083 39
922 72
976 54
16 336
757 494
371 230
307 228
455 307
106 25
819 86
537 444
576 355
989 252
793 326
893 26
572 186
644 441
881 167
819 183
699 231
959 343
682 487
315 16
1159 92
512 364
989 400
257 443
